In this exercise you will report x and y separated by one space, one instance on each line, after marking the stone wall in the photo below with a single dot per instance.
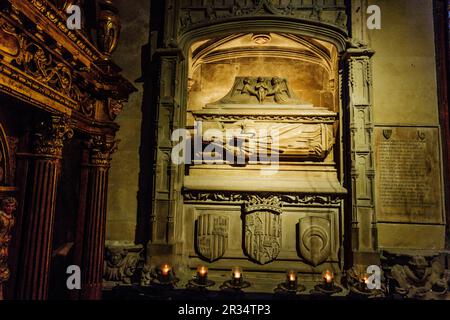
123 183
406 110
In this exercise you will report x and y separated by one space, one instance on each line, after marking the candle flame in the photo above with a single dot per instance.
328 276
202 270
165 269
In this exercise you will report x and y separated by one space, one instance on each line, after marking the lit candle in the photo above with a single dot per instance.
292 279
363 282
328 278
237 275
202 274
165 271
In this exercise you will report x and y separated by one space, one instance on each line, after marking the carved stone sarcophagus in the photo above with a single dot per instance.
266 164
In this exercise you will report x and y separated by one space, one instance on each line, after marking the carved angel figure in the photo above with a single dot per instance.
7 222
264 88
279 89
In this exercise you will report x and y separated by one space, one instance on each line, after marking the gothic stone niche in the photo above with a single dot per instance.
261 120
261 211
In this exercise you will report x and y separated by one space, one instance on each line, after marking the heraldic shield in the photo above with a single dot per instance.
212 236
314 239
263 230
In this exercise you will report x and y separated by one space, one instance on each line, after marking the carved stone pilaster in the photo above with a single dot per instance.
166 191
95 218
360 110
45 168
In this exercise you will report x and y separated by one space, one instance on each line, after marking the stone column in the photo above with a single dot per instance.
95 217
361 163
363 223
39 213
160 247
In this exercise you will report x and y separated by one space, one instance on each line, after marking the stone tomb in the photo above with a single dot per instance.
264 215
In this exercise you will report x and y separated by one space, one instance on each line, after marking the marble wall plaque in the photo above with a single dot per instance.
408 175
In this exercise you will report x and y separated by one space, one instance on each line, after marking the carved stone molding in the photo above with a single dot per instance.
50 136
200 14
245 198
256 117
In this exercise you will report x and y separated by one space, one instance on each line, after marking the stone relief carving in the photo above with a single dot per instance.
314 239
121 263
263 228
7 222
263 117
196 14
262 128
212 236
416 277
289 141
241 198
259 90
355 280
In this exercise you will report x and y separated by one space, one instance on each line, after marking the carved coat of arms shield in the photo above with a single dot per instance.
263 232
212 236
314 239
387 133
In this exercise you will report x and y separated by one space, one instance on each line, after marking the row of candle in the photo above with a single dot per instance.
237 276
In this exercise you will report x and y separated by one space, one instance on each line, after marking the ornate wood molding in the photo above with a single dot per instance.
46 64
101 150
49 138
7 222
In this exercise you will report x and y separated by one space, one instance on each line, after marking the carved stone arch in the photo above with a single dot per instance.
5 173
299 27
222 29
